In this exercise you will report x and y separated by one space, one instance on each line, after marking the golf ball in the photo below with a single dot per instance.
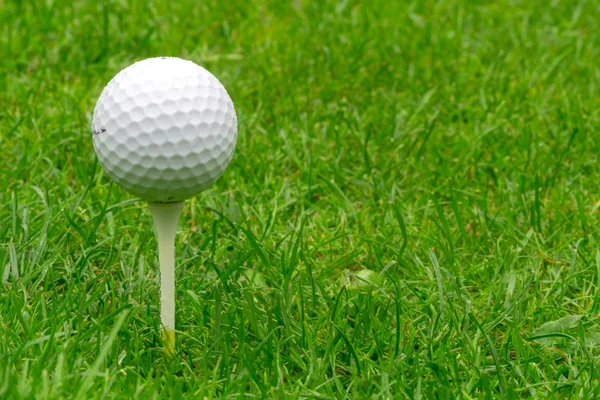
164 129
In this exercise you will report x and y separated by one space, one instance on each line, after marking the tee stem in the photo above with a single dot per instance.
166 216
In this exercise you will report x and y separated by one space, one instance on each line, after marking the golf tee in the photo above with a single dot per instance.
166 216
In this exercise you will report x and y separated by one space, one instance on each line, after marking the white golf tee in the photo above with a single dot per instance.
166 216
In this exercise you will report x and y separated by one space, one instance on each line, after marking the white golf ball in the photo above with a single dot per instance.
164 129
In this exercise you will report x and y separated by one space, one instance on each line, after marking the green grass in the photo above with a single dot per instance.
450 146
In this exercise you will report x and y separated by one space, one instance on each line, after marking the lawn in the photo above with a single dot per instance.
411 212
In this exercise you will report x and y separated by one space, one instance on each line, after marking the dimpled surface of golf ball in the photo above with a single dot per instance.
164 129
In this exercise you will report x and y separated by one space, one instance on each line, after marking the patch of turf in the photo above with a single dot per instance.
448 146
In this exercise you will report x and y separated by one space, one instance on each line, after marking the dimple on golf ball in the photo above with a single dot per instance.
164 129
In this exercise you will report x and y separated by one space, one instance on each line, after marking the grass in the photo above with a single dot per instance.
448 146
